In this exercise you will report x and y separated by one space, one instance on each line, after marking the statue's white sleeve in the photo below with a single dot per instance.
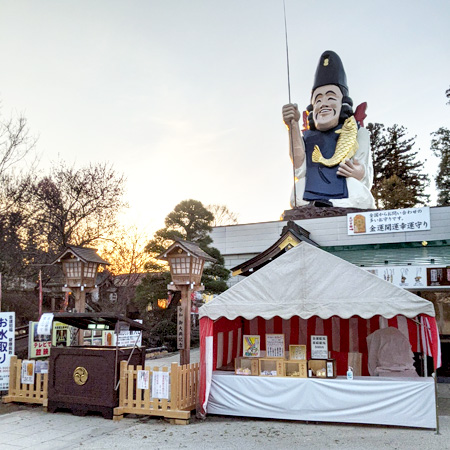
364 156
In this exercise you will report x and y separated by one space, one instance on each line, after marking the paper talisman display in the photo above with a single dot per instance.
275 345
252 346
27 375
319 347
143 379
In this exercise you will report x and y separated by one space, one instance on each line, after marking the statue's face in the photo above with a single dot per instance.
327 104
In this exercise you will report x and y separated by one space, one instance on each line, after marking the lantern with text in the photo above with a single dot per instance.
186 261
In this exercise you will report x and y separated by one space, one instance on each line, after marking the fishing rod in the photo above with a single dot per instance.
291 143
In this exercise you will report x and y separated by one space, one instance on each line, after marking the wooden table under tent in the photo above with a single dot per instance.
309 292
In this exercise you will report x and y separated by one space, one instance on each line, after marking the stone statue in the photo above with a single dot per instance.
332 159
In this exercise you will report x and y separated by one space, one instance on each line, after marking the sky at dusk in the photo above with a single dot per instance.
185 97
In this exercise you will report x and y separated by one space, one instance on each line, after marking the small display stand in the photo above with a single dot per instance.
271 367
295 369
322 368
246 366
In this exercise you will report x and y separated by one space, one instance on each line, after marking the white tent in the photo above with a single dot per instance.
306 292
307 282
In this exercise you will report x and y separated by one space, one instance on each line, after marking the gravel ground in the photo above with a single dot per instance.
28 426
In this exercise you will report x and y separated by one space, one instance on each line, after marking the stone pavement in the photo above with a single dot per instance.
29 427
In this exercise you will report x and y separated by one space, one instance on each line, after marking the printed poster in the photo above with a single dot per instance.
275 345
38 344
143 379
319 347
45 324
160 385
27 374
252 346
7 341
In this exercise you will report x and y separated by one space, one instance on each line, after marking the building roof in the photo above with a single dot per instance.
84 254
291 235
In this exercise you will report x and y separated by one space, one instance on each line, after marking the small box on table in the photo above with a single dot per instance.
322 368
270 367
295 369
246 366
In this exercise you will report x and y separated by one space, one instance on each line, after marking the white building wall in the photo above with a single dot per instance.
238 243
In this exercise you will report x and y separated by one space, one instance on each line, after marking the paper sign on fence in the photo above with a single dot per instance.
160 385
27 375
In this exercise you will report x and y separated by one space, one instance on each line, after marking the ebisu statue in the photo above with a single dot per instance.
331 156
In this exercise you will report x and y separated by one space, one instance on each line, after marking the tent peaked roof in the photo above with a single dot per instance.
306 282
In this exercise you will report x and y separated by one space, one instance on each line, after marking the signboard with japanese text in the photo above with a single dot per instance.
127 338
389 221
180 328
274 345
38 344
319 347
401 276
7 341
160 385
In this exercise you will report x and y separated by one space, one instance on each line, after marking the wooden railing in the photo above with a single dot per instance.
182 393
25 393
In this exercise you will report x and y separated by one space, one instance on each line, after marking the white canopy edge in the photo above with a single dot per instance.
307 281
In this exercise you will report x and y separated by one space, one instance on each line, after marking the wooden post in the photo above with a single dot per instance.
80 306
185 354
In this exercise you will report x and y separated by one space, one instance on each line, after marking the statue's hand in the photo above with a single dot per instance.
290 113
353 169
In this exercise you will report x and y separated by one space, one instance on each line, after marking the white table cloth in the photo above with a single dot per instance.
371 400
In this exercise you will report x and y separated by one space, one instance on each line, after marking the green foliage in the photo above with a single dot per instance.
190 221
396 168
440 146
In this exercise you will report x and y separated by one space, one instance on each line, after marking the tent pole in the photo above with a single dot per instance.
436 401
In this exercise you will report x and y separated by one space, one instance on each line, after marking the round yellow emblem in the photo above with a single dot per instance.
80 375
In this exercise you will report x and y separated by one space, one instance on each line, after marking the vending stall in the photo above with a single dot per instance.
304 294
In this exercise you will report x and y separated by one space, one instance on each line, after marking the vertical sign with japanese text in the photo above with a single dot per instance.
180 328
7 330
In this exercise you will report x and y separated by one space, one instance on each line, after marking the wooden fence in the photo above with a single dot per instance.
25 393
183 382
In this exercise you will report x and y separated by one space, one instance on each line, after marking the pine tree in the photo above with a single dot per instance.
440 146
396 167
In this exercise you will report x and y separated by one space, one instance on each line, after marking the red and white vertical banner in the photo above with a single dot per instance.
7 341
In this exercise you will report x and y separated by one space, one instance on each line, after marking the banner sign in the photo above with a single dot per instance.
389 221
7 341
38 344
401 276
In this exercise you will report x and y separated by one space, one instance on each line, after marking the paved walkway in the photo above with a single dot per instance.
29 427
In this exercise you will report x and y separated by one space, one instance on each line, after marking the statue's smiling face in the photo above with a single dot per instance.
327 104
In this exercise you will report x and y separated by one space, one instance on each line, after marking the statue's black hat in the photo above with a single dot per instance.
330 70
